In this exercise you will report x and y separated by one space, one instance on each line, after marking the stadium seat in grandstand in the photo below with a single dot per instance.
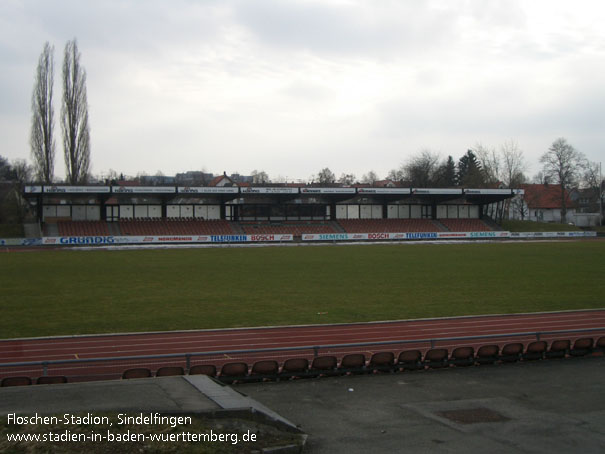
296 228
323 366
294 368
388 225
263 370
51 379
511 352
487 354
381 362
175 226
462 356
409 360
139 372
582 346
436 358
83 228
600 345
353 363
169 371
535 350
203 369
233 372
558 348
465 225
16 381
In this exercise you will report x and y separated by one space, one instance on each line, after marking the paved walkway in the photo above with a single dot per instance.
183 394
554 406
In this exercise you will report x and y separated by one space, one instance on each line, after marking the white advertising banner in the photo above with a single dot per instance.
208 190
20 241
575 234
162 239
487 191
76 189
326 236
285 190
438 191
167 239
439 235
143 189
383 191
327 190
402 236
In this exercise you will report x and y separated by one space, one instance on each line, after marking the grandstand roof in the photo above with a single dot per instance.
226 187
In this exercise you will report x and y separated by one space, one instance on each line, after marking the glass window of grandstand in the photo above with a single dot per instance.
278 212
230 212
306 212
427 212
247 212
292 213
262 212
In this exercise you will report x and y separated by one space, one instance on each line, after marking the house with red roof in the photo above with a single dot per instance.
543 203
221 181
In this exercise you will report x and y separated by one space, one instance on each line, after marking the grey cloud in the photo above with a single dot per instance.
138 25
307 91
353 29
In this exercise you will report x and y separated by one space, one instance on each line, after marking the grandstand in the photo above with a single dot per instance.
178 226
82 228
72 211
465 225
152 226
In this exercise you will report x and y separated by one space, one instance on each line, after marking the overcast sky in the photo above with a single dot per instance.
292 86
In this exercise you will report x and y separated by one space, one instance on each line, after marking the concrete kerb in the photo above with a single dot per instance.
231 400
313 325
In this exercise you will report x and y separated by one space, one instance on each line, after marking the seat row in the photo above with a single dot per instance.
356 363
24 381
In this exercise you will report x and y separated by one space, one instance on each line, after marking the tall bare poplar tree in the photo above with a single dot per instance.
74 117
42 139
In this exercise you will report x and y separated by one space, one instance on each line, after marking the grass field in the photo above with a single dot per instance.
69 292
532 226
11 231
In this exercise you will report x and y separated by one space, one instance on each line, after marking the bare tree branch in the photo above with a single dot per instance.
74 113
369 178
513 164
490 162
421 170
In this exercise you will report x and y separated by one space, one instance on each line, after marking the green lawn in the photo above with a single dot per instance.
531 226
69 292
11 231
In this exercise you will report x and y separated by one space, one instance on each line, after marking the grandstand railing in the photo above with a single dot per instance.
314 350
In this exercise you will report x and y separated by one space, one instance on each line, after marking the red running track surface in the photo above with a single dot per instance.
84 347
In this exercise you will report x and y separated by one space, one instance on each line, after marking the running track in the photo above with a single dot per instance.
85 347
